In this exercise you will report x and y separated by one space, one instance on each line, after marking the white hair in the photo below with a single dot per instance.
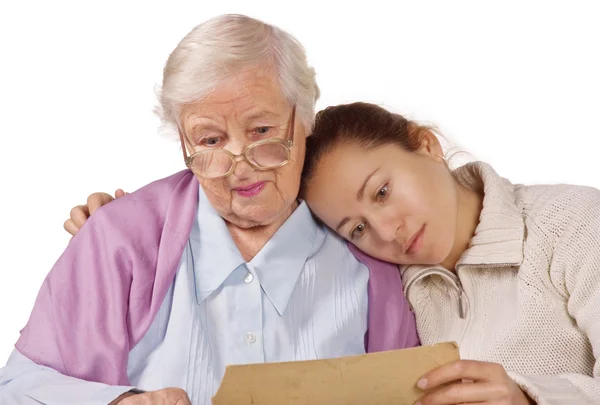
222 47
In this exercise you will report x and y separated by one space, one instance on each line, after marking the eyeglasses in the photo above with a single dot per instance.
267 154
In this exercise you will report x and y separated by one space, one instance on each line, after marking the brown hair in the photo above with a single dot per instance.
363 124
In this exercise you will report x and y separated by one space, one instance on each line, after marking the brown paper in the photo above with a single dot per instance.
386 378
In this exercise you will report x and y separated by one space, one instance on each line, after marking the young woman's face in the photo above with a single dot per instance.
392 204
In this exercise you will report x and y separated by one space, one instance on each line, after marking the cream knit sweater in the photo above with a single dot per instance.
526 293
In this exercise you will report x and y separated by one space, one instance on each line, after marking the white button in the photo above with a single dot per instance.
250 337
249 277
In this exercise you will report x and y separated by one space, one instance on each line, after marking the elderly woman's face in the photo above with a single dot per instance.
245 109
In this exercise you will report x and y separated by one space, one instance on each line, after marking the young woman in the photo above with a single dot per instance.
510 272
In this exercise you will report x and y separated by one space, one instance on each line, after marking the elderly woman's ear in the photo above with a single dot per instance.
80 213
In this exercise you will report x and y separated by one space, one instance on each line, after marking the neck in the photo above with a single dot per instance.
470 204
250 241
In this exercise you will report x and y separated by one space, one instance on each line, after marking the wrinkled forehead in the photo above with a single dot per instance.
243 96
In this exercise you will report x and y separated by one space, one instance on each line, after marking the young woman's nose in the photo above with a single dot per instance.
386 228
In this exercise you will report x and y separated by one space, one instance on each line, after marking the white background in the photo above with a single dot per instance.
515 83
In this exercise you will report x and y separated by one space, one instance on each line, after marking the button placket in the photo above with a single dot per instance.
249 314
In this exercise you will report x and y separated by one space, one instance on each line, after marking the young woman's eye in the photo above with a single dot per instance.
383 192
358 230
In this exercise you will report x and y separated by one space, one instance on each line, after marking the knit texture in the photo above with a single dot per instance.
530 283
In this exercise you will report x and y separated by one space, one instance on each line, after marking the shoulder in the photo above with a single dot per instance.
144 208
155 194
563 229
558 210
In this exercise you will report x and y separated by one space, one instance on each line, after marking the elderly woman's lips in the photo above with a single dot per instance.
250 190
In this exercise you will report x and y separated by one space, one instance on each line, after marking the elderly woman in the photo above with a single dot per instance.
162 289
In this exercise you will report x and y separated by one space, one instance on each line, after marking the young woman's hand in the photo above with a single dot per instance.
471 382
80 214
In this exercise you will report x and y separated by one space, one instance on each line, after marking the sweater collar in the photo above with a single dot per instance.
499 236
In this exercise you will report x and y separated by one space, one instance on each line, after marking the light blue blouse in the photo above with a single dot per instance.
303 296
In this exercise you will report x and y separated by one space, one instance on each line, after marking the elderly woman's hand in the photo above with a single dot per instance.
488 383
81 213
167 396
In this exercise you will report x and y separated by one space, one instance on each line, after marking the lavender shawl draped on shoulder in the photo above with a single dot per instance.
103 293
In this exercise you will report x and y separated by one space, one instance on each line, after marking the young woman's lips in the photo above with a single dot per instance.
417 242
250 190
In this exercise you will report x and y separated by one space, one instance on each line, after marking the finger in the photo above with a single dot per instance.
70 227
119 193
181 397
460 393
184 400
461 370
97 200
79 215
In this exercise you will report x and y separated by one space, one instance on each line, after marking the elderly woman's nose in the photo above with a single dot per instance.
242 169
237 143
